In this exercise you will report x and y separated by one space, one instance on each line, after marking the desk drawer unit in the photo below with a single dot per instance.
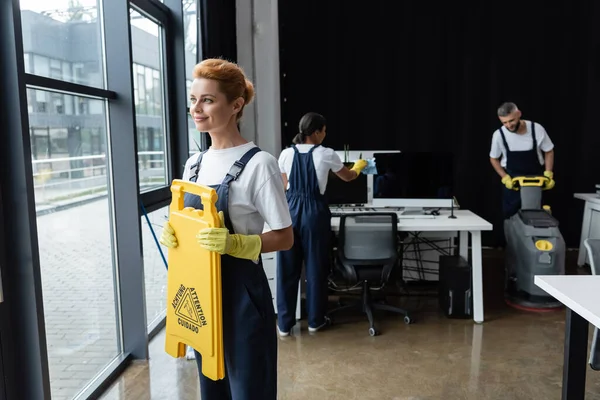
270 267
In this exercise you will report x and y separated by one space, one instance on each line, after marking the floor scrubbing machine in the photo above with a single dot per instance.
534 246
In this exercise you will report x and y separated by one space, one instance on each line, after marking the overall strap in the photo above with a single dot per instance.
533 136
313 148
238 166
295 149
196 167
504 139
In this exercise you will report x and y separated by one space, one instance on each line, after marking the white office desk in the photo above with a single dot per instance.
465 222
581 295
590 227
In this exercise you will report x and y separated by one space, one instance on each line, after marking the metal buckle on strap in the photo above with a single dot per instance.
236 169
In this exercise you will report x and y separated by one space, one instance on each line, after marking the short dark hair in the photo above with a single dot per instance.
506 109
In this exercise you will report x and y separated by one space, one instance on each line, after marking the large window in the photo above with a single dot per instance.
61 40
75 244
70 164
146 41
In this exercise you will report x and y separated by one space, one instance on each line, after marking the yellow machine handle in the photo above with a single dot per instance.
207 195
529 181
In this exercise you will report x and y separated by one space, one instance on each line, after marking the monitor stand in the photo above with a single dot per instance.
414 212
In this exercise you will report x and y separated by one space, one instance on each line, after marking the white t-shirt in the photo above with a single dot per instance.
324 158
521 142
256 197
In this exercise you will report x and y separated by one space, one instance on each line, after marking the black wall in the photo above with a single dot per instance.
218 29
410 76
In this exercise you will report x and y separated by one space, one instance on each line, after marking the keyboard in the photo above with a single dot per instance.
349 210
375 218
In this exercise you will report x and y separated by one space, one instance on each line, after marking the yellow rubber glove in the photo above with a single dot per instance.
550 183
359 165
221 241
507 181
168 236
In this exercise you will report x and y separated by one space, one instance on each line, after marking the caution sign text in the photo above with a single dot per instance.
188 309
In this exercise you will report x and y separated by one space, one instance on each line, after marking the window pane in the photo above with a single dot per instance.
70 173
190 24
155 270
146 39
27 66
59 33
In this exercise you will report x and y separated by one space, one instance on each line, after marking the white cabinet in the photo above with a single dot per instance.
270 267
593 230
590 227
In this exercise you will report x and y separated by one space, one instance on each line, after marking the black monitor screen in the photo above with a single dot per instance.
340 192
413 175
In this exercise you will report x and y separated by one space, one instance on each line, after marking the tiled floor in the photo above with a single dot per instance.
514 355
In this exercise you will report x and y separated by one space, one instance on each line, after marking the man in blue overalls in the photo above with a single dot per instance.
520 148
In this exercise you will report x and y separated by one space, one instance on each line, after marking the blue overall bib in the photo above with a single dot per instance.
249 336
519 163
311 221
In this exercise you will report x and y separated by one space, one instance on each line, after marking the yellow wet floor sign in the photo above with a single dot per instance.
194 305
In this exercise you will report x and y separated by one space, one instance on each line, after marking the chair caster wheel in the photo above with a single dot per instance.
373 332
407 320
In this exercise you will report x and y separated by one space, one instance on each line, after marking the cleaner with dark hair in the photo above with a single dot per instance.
305 168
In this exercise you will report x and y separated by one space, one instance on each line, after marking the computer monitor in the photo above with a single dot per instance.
414 180
339 192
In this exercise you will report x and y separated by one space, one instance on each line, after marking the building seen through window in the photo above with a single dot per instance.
68 132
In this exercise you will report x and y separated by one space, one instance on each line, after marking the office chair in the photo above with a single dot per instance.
366 256
593 249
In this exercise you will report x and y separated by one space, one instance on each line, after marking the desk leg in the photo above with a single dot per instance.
463 249
477 267
574 365
585 233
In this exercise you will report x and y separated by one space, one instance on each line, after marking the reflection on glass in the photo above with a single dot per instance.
146 37
155 269
71 181
61 40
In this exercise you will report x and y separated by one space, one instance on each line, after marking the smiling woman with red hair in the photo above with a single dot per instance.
251 192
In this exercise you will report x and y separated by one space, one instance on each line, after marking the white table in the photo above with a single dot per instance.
581 295
590 227
465 222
